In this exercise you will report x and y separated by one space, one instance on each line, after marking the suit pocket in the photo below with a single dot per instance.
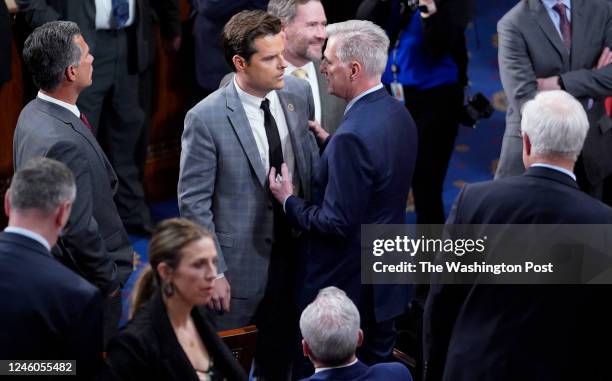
225 239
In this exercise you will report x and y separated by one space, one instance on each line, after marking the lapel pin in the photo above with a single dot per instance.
290 107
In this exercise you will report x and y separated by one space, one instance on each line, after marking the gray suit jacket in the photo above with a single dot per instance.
332 107
530 47
94 241
223 184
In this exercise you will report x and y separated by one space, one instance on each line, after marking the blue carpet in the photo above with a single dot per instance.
476 150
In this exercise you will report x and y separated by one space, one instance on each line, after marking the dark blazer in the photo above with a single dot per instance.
210 17
147 348
48 312
83 12
94 241
527 332
5 43
529 48
363 178
361 372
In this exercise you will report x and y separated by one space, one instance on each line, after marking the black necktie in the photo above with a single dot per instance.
275 150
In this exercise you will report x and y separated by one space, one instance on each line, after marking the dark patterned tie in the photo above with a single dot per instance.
275 150
121 12
564 25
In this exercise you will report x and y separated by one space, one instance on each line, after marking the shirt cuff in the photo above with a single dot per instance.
220 275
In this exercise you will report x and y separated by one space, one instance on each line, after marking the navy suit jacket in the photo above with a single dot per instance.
363 178
361 372
526 332
48 312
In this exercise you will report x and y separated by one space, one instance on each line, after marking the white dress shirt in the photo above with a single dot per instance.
255 115
556 168
104 14
30 234
72 108
310 69
317 370
358 97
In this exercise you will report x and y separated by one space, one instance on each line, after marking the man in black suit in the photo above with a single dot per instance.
120 35
48 312
94 242
527 332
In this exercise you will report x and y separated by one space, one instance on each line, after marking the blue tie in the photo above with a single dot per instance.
121 12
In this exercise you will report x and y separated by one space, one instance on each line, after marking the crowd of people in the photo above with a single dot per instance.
304 133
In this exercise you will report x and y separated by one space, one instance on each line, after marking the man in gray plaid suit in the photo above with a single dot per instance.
232 138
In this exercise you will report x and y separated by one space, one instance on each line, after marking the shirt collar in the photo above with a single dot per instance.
309 68
251 100
556 168
551 3
358 97
317 370
30 234
72 108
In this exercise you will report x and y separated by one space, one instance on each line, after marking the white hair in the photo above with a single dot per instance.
362 41
555 123
330 326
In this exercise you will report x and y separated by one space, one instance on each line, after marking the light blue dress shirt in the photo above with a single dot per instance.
554 16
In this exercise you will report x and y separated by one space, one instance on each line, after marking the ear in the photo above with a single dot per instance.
164 271
239 63
526 144
356 70
359 338
70 73
7 204
305 348
63 214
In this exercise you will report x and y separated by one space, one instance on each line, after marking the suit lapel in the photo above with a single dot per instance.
77 126
242 128
580 35
172 354
542 18
288 103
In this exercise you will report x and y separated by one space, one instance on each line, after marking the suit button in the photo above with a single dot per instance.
268 240
270 206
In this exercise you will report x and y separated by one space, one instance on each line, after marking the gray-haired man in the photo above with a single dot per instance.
48 312
330 328
468 329
94 242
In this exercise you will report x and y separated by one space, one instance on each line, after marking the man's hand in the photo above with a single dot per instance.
318 131
549 83
281 187
221 295
605 58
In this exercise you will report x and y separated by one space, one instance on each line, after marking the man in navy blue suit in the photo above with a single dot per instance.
48 311
330 328
363 178
526 332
